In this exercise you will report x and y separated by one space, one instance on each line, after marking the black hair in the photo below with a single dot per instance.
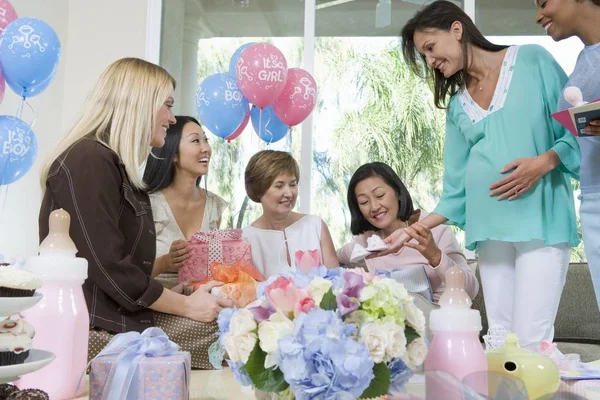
358 223
440 15
160 166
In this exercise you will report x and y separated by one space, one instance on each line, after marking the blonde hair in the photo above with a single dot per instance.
120 112
264 167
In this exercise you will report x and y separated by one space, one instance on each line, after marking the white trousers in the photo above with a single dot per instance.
522 283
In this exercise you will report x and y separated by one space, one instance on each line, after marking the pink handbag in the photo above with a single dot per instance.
223 246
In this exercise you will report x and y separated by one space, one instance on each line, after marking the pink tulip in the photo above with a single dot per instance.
283 295
307 260
305 304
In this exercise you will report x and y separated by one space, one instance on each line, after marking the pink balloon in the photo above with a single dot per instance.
240 128
7 14
298 98
261 73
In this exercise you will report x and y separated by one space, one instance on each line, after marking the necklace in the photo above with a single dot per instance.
489 71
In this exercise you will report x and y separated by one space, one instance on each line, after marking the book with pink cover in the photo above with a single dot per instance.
576 118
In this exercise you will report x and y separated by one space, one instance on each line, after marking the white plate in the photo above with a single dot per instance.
37 359
14 305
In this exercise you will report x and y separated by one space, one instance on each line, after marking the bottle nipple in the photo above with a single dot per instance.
574 96
58 239
454 295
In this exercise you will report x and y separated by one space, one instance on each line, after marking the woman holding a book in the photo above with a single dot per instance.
562 19
506 165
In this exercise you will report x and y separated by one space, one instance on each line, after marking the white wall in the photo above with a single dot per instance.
93 34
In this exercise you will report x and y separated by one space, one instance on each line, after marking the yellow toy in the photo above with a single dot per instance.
538 372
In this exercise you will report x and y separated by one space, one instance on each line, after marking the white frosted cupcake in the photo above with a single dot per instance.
16 337
16 282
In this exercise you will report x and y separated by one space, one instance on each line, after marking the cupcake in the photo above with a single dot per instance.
16 282
6 390
29 394
16 336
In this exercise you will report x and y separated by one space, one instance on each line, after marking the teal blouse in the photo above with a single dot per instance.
479 143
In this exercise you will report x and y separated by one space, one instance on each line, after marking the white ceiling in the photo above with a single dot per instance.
280 18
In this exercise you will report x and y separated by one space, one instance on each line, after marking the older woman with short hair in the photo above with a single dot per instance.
271 179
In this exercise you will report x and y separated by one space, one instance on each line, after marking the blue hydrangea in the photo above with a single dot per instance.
399 375
322 361
223 320
240 375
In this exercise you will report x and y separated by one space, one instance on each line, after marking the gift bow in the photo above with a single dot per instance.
130 348
214 239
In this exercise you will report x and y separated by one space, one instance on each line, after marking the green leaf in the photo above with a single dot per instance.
265 379
410 334
380 384
328 301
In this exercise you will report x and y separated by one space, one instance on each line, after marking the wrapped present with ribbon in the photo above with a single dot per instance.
239 281
222 246
146 366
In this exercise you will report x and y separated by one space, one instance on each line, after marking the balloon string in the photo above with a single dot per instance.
20 109
34 112
261 142
4 196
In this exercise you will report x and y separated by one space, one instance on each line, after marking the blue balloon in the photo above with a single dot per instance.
268 126
220 104
29 55
234 59
18 149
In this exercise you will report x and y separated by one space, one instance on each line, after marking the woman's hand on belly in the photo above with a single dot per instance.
525 173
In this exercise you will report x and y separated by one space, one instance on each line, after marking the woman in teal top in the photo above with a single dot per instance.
506 165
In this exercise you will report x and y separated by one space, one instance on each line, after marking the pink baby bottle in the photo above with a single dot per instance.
60 319
455 352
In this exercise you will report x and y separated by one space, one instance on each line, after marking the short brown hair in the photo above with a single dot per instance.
264 167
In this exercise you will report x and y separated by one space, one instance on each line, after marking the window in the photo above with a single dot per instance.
371 107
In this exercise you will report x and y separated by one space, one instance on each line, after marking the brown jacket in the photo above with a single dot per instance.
112 227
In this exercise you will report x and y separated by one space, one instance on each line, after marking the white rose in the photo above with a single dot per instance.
395 340
397 289
270 331
415 318
417 351
239 347
373 337
368 292
318 287
270 360
242 323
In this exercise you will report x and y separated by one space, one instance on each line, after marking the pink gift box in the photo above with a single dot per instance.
155 378
223 246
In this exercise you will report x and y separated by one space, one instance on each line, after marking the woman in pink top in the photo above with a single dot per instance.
379 204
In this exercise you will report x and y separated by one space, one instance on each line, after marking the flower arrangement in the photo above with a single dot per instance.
325 333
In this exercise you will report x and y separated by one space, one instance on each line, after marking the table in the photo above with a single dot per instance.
221 385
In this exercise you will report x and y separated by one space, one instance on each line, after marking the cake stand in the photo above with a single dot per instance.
37 358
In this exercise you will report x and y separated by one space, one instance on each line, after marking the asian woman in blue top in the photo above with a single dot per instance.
562 19
506 165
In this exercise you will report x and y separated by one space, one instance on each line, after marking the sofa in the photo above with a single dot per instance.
577 326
